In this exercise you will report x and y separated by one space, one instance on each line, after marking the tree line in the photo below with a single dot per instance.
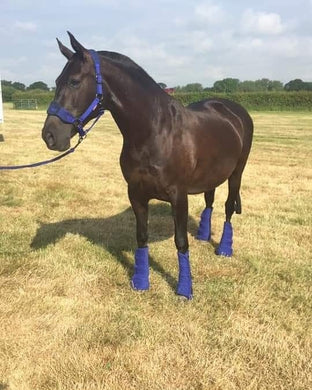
22 87
232 85
227 85
9 88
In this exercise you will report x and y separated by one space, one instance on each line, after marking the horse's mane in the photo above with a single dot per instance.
125 63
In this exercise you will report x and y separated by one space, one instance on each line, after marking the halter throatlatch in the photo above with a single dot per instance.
66 117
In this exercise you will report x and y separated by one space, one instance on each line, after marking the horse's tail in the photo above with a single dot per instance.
238 205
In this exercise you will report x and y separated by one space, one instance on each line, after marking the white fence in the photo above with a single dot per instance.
25 104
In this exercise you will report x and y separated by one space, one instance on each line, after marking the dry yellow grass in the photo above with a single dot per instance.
68 318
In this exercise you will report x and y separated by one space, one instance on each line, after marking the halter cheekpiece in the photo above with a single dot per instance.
65 116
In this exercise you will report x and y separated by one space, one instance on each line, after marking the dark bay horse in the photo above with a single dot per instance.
168 152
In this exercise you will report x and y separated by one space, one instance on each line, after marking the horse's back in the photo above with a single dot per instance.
231 111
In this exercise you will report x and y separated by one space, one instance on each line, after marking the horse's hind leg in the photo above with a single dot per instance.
140 279
232 204
204 230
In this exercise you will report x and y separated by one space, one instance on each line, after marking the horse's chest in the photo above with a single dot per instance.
148 181
140 172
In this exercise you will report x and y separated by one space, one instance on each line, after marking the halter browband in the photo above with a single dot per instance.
65 116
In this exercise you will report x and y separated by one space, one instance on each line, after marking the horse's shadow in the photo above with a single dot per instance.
116 234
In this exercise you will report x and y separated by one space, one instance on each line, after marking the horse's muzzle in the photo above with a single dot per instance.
54 144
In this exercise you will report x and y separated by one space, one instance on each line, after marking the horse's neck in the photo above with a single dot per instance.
135 106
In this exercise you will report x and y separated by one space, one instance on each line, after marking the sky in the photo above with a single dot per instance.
176 41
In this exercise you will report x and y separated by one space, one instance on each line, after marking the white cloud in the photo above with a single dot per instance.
267 23
250 44
156 56
209 12
213 73
199 41
14 62
176 41
25 26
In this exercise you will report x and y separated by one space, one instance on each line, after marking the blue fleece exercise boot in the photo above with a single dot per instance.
185 279
140 279
204 230
225 246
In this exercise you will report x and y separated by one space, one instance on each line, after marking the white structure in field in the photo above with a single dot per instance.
1 108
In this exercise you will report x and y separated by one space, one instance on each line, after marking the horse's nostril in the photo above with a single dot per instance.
49 139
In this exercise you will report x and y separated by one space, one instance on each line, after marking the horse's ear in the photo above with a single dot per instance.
79 49
64 50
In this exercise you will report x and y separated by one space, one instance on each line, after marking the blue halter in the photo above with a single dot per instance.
65 116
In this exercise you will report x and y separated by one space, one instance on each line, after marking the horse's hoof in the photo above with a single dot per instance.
185 293
202 238
185 298
224 252
141 287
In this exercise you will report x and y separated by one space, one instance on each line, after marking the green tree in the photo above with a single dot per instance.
295 85
262 85
193 87
6 83
309 86
275 85
19 86
247 86
219 86
231 84
39 85
226 85
7 92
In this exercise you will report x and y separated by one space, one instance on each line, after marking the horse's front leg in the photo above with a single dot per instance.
139 203
179 204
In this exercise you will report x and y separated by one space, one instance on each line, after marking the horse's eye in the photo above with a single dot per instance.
73 83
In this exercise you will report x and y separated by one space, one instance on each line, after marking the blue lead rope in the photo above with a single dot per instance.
45 162
37 164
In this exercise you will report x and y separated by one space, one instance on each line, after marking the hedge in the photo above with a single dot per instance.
258 101
43 98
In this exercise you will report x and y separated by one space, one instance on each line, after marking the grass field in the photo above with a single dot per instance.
68 318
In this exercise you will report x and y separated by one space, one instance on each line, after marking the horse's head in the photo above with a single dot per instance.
78 96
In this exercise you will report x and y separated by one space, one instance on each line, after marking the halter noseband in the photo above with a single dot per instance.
65 116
